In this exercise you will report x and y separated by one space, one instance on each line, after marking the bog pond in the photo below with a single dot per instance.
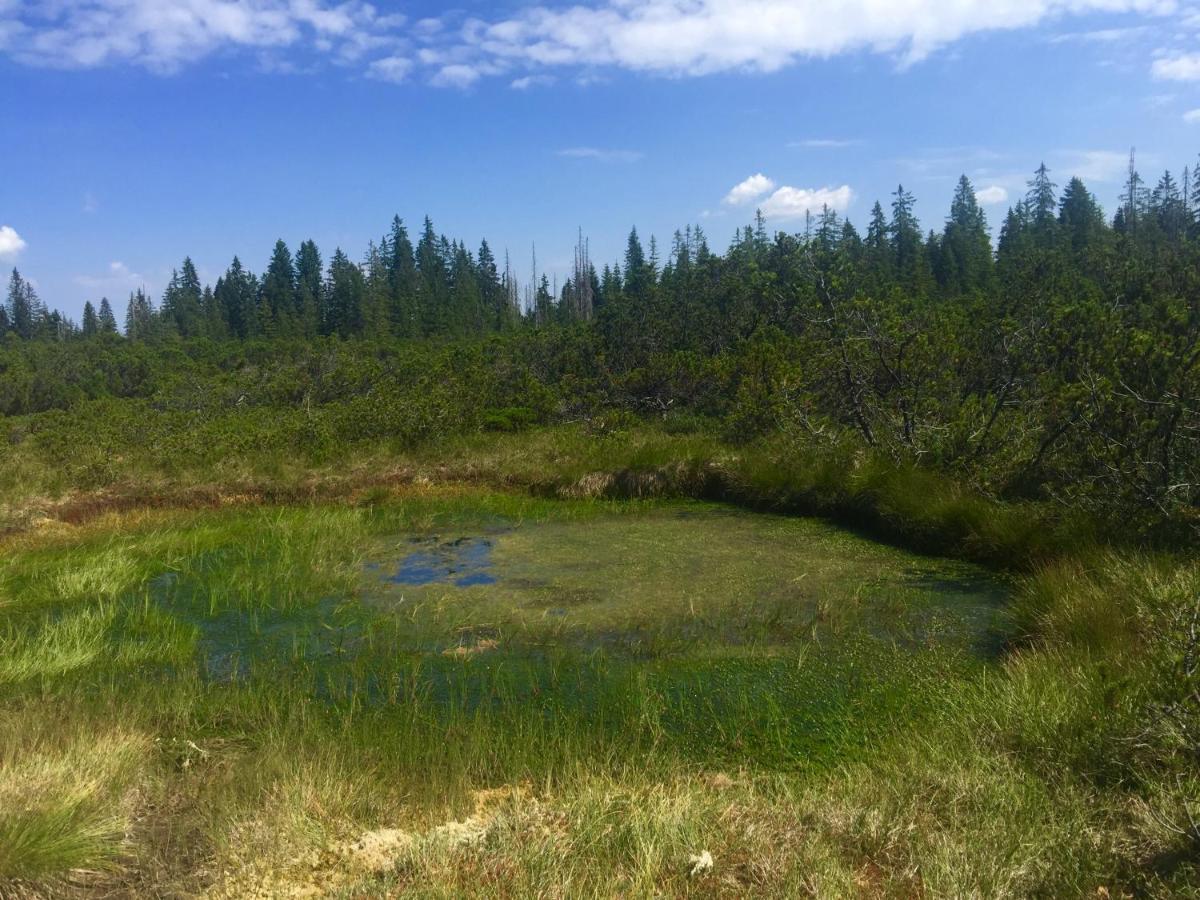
714 632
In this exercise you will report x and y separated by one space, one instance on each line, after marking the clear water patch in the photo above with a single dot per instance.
463 562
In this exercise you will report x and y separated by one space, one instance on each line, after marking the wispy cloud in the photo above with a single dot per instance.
117 279
950 162
11 243
1094 165
601 155
1177 67
696 37
166 36
1100 35
675 37
530 81
391 68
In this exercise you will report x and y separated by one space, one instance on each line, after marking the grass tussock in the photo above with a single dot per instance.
67 801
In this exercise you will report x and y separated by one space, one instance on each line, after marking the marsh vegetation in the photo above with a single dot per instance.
832 565
272 700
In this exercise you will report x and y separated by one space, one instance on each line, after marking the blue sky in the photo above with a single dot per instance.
134 132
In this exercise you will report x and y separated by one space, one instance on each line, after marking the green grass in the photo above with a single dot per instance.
914 507
229 701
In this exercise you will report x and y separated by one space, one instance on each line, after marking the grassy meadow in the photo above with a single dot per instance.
556 664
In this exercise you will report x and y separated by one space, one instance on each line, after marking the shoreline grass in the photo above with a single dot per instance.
914 508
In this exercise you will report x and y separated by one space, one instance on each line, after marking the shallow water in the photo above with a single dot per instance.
464 561
718 633
686 577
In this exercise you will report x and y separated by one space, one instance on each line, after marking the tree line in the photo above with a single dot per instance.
1064 360
439 288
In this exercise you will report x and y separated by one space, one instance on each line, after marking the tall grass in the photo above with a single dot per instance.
64 796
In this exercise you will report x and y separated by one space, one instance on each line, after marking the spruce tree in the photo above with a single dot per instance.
543 303
181 301
491 291
433 289
25 311
402 274
878 248
236 296
637 275
309 280
278 311
91 323
377 294
215 325
1012 247
467 299
964 259
1168 209
1080 218
139 317
107 321
344 296
191 296
1040 200
908 246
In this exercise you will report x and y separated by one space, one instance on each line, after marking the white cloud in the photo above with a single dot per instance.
681 37
990 196
749 190
702 36
11 243
786 202
165 36
1100 36
529 81
1192 116
601 155
793 203
457 75
391 68
1180 67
